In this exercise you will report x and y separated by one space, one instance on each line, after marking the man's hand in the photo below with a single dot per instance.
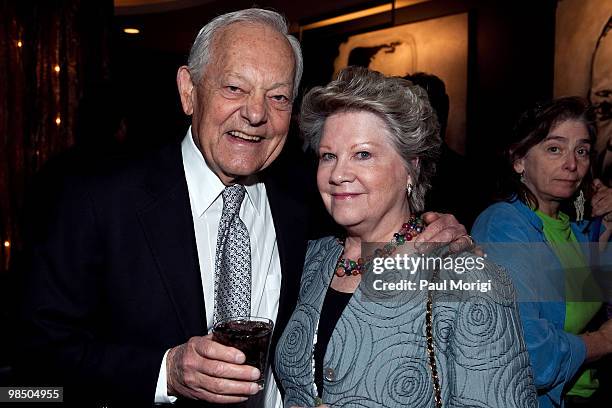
442 229
602 199
206 370
598 343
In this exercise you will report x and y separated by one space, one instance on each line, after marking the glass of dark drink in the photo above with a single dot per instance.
249 334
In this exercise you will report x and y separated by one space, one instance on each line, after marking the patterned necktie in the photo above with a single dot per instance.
233 259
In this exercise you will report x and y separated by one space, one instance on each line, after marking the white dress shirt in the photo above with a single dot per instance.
206 201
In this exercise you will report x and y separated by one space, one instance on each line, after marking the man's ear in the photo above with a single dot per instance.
186 89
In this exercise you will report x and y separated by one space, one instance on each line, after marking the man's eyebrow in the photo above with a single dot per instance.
236 75
231 74
279 84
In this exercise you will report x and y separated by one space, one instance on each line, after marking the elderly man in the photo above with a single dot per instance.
140 259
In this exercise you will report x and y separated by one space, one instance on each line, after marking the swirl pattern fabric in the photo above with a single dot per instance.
378 348
232 259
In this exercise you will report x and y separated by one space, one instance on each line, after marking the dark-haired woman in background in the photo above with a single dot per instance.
549 166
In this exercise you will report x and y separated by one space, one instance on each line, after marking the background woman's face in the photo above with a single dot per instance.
361 177
555 167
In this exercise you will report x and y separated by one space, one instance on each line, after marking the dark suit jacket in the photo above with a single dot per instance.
112 277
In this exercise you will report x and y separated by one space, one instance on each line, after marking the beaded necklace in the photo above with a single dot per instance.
346 267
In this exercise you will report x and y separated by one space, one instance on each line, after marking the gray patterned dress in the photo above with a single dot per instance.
377 354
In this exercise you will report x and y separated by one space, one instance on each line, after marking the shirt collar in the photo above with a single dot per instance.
204 185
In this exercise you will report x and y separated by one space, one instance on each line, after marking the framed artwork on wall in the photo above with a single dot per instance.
437 46
399 46
583 58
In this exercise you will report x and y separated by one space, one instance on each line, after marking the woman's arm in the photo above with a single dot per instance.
555 355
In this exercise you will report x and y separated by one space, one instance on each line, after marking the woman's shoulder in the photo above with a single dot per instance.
321 245
500 209
502 220
321 253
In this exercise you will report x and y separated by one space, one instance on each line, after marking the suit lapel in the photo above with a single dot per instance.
289 215
168 225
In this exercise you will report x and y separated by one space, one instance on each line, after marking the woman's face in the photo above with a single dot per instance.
361 177
555 167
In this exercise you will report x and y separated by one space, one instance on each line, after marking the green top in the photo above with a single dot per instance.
562 240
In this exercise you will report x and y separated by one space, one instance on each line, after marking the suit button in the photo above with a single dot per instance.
329 374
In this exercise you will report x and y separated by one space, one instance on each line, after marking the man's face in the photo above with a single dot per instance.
241 108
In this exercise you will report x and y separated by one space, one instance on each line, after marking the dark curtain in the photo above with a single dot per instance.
50 53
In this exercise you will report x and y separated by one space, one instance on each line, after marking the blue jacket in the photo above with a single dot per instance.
556 356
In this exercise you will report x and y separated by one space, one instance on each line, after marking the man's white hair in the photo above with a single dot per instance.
201 50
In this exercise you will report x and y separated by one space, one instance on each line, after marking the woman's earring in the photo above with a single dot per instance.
523 177
409 189
579 205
